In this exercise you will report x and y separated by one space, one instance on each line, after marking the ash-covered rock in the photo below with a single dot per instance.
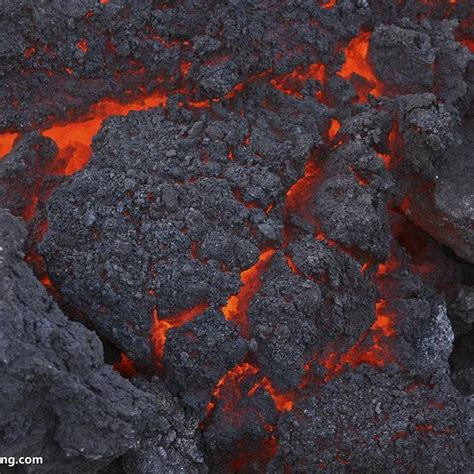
58 399
296 313
388 420
285 319
244 415
171 226
348 296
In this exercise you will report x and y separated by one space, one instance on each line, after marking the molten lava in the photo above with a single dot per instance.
125 367
333 129
301 193
292 82
74 139
357 62
160 327
378 353
283 401
237 305
328 4
7 140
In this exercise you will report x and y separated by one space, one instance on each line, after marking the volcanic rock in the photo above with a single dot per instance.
58 398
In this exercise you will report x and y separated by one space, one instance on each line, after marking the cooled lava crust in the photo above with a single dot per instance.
263 211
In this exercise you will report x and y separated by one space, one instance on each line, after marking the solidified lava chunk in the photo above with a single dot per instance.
396 416
264 212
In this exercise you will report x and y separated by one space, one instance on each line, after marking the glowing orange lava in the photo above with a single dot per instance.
300 194
292 82
83 45
7 140
357 62
237 305
378 354
328 3
160 327
233 378
74 139
283 401
29 52
386 159
333 129
125 367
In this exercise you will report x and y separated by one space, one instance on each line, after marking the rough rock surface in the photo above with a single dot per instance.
58 398
82 410
396 416
246 243
445 207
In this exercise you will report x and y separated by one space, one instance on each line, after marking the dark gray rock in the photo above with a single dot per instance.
444 207
389 422
58 399
430 130
403 59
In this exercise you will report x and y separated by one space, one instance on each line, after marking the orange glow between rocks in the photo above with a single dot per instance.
469 43
233 377
125 367
7 139
230 382
83 45
357 62
283 402
74 139
292 82
378 353
300 194
387 159
328 4
333 129
29 52
237 305
160 327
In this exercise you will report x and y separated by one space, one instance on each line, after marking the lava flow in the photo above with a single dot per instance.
7 139
292 82
229 387
378 353
237 305
74 139
160 328
357 62
274 139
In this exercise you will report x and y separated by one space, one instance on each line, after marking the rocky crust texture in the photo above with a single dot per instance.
261 210
57 397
